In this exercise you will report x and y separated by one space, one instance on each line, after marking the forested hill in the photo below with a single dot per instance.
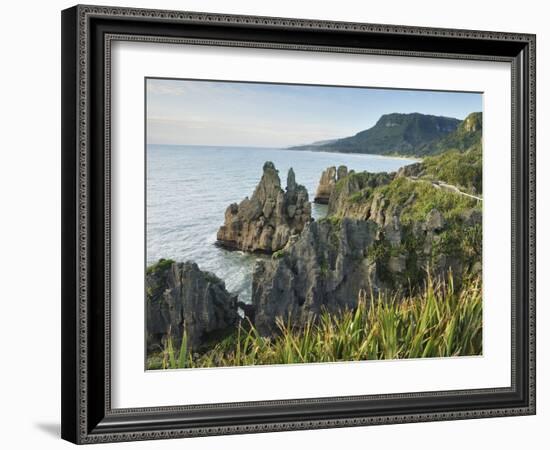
412 134
466 135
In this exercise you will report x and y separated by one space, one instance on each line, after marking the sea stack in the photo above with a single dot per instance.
266 221
328 180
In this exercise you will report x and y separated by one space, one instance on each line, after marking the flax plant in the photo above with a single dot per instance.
437 321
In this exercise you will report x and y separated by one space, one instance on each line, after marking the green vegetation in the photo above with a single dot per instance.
278 254
435 322
159 266
414 196
421 218
358 197
335 221
157 274
379 252
365 181
413 201
462 169
402 134
426 197
467 134
415 134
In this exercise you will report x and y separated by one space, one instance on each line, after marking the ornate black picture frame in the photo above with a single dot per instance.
87 34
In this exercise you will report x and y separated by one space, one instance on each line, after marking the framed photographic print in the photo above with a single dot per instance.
278 224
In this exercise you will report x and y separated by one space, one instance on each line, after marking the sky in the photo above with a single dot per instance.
194 112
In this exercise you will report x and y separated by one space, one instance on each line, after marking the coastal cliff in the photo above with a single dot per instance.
404 134
266 222
180 296
328 180
350 194
412 134
384 233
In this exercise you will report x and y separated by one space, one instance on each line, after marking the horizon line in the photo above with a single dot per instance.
289 147
217 145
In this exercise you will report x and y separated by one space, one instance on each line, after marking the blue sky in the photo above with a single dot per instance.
185 112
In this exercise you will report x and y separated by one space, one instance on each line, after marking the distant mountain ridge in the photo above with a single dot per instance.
466 135
413 134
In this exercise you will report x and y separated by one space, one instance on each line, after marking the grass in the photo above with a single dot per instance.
427 197
412 200
460 168
435 322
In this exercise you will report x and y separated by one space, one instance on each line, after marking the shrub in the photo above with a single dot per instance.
159 266
435 322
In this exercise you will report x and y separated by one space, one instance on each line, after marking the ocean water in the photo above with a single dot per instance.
190 187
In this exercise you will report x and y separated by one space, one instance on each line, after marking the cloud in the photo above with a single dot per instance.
163 130
162 87
261 114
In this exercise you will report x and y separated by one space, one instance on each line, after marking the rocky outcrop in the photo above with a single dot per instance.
382 234
348 199
181 297
411 170
322 269
328 181
266 221
333 260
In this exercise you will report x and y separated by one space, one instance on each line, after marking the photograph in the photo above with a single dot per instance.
302 223
274 220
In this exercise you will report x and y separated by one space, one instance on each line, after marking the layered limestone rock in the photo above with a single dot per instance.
181 297
328 181
266 221
321 269
374 239
334 259
349 198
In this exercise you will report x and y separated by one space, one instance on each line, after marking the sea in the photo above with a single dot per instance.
189 188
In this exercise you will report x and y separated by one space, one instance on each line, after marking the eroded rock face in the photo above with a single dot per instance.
411 170
328 181
266 221
355 183
333 259
181 296
323 268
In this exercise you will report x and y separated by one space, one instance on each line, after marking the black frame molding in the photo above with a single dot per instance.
87 34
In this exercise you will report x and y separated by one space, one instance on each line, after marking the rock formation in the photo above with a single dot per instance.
378 236
181 297
411 170
266 221
348 199
333 259
328 181
321 269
